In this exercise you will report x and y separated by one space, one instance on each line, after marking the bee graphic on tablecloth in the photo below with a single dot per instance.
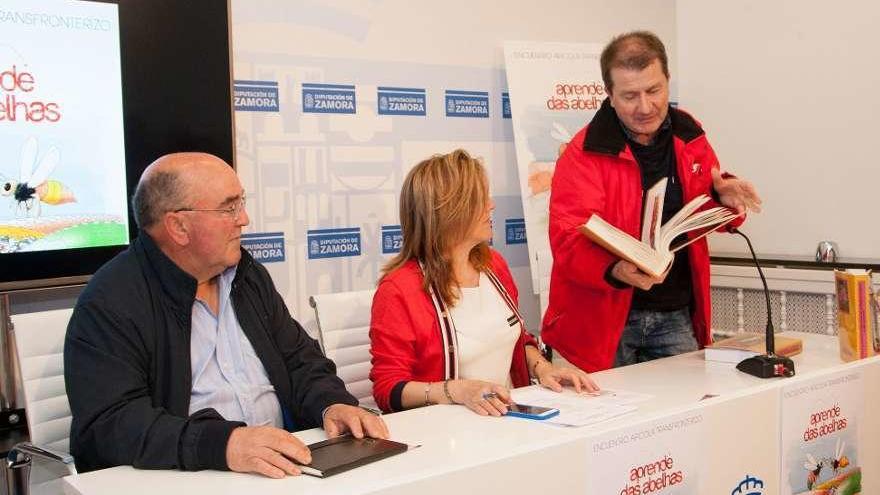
35 187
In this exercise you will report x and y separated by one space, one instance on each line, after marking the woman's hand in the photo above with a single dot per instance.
554 378
483 398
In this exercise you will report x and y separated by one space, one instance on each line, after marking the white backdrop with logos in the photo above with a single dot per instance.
336 100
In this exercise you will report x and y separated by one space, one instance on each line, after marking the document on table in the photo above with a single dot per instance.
580 409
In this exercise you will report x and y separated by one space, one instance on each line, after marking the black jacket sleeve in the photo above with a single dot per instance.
107 375
315 385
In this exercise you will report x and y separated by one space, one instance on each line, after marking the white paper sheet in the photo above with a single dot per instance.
580 409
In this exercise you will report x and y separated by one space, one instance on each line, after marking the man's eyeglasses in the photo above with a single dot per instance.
233 211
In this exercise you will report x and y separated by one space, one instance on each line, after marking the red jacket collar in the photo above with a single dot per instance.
605 135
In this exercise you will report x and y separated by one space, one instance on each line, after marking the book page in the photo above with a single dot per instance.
696 238
684 212
626 246
653 215
689 219
701 219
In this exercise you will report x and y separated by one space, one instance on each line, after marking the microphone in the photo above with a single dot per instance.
767 365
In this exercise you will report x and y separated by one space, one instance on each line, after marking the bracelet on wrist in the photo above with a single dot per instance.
428 393
535 366
448 394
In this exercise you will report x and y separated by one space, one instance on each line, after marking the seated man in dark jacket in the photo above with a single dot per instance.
182 355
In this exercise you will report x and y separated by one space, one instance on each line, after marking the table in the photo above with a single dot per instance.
472 454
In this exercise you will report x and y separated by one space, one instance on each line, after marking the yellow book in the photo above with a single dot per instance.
855 316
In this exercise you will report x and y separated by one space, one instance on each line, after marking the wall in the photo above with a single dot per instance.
787 92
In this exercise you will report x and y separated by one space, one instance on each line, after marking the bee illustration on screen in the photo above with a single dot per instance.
35 186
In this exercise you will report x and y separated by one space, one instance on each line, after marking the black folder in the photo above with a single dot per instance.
340 454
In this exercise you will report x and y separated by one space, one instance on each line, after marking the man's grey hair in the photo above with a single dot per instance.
156 194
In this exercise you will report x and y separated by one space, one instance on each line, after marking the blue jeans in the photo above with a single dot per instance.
655 334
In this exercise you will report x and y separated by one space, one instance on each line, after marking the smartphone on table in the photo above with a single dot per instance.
531 412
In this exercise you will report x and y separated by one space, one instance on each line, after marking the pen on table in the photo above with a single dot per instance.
371 410
493 395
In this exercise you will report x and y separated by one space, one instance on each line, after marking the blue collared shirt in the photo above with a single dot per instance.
227 375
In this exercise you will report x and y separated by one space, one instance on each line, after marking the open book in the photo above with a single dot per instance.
654 253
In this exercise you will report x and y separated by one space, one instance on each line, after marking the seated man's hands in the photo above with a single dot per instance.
265 450
342 418
554 378
483 398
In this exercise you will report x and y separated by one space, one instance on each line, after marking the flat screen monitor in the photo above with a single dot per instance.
90 93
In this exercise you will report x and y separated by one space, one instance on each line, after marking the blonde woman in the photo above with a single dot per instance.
445 325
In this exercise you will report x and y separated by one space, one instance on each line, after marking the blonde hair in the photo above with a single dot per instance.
441 200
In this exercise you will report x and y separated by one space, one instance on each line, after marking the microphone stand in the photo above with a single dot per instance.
767 365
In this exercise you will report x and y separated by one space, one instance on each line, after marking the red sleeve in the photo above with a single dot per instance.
709 157
577 192
392 342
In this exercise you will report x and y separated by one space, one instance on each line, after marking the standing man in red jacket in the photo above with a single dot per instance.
604 311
